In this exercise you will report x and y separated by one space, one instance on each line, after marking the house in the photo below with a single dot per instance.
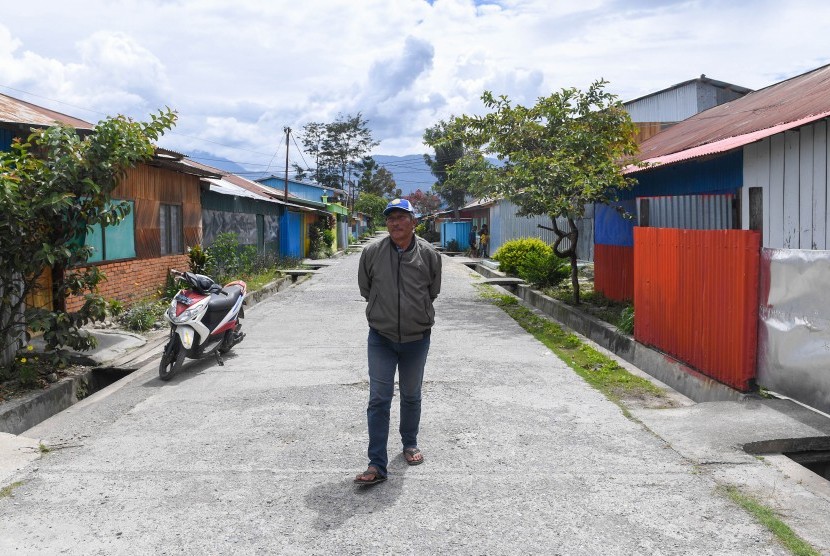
655 112
296 222
747 175
164 220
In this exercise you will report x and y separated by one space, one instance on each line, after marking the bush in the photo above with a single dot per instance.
229 260
543 270
424 230
511 254
199 259
142 315
626 322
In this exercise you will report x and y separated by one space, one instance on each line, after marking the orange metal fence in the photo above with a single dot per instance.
696 298
614 271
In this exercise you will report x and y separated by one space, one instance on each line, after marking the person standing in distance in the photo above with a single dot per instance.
400 277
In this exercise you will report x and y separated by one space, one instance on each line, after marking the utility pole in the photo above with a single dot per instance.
287 131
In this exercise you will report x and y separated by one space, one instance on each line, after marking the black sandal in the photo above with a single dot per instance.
371 476
409 454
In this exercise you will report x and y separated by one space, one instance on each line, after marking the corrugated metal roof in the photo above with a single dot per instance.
16 111
785 105
727 144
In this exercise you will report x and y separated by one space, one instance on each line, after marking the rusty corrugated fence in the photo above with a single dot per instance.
696 298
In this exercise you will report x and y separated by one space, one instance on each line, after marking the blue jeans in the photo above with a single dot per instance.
384 357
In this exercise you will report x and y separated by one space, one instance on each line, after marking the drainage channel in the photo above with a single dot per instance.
812 453
25 413
817 461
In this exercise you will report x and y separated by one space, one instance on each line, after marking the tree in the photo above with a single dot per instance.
55 187
372 206
449 149
559 155
336 147
347 140
376 179
424 203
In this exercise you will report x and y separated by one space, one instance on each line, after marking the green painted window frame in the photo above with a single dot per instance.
113 243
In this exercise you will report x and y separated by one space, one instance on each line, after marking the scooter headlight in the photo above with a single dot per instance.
185 316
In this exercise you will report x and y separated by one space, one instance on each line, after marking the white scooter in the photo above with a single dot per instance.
204 321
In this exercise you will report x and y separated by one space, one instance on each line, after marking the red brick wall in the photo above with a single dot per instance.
133 280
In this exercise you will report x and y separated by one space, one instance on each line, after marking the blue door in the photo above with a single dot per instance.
291 234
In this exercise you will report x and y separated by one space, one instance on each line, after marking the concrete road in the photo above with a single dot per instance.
258 456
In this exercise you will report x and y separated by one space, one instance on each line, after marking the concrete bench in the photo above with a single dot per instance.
315 264
508 281
297 272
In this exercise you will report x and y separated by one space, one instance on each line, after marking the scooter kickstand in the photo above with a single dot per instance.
219 359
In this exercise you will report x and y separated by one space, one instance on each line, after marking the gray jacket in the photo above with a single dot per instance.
400 288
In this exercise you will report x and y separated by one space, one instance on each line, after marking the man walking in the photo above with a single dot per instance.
399 276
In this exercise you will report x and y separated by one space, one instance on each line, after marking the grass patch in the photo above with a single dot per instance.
261 279
6 491
597 369
43 448
767 517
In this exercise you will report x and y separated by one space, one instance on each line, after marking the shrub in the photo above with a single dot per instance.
424 230
626 322
142 315
511 254
228 259
543 270
199 259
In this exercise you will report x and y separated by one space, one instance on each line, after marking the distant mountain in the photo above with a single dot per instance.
217 162
410 171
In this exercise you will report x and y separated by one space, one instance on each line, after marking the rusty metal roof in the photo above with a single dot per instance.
15 111
774 109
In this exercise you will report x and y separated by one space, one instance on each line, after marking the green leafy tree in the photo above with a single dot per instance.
336 147
559 155
372 206
376 179
449 149
57 185
424 203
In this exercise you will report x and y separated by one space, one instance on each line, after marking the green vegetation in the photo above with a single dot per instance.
598 370
532 260
6 491
767 517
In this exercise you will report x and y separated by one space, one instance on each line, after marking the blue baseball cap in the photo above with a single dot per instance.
398 204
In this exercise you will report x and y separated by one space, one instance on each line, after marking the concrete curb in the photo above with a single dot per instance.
670 371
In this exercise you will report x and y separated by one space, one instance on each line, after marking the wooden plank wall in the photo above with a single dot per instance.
696 298
149 187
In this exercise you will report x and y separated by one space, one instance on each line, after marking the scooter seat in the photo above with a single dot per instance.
221 302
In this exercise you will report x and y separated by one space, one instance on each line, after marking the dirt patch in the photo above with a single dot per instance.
43 375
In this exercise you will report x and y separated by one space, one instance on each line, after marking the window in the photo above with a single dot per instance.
113 242
170 223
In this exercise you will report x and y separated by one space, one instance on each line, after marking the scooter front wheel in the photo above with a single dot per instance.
172 358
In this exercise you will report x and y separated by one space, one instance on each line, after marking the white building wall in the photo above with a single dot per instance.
791 169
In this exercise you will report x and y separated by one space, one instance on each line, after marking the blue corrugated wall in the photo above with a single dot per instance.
6 137
291 234
723 174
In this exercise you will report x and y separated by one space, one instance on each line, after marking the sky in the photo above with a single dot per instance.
238 73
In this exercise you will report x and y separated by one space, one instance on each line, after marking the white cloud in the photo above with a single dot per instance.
238 73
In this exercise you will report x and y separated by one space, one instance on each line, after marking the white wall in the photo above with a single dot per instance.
791 167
